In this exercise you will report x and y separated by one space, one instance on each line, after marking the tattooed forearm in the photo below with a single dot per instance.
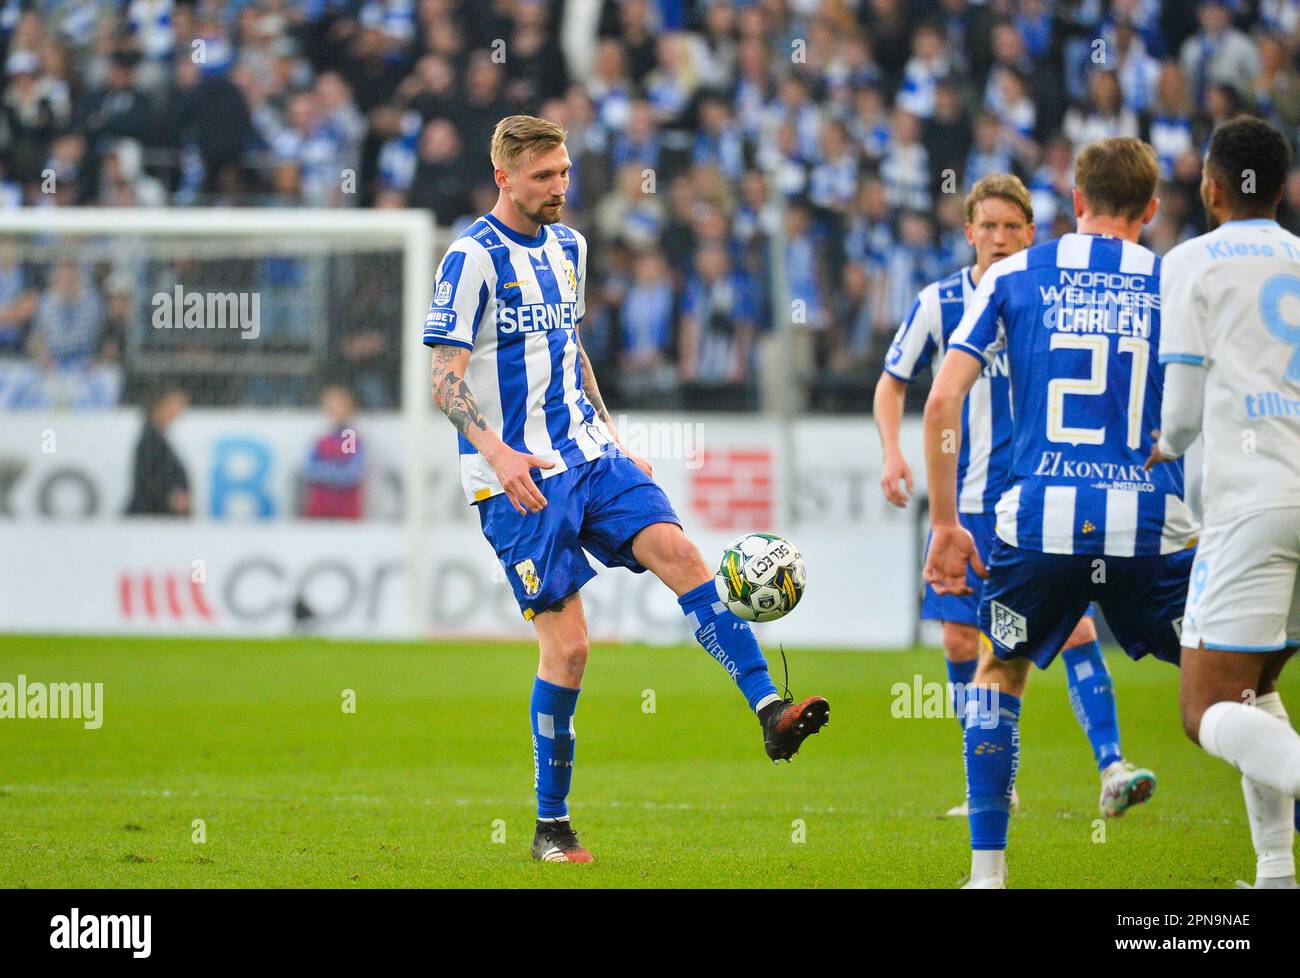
590 388
452 394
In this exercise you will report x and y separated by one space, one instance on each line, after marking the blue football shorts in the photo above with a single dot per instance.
1032 601
596 507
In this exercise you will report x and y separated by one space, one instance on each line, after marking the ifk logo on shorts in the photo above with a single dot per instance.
527 572
1009 628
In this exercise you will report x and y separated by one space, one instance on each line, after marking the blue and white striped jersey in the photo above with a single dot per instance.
1079 322
516 303
985 461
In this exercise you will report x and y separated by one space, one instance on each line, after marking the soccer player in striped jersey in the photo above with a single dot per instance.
1081 519
542 462
1230 348
999 223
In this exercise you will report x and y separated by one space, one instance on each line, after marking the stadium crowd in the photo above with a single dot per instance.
712 141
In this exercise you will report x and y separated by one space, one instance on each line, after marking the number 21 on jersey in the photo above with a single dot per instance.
1098 347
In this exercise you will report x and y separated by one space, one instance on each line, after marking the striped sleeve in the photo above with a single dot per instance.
980 332
918 337
1182 310
460 294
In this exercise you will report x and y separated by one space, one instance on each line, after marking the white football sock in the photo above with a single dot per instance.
1271 813
988 862
1260 746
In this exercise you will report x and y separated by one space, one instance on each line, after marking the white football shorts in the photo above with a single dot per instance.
1244 594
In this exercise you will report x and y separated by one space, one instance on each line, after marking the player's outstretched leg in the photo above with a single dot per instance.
665 550
785 723
992 747
562 640
1092 695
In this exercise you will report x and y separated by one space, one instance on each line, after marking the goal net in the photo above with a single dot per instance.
215 419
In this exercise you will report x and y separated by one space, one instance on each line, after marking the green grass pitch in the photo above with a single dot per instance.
415 788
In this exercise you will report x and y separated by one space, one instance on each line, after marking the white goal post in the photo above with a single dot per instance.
410 230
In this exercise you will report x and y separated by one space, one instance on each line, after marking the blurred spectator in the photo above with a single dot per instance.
947 136
1218 53
315 148
646 318
122 183
336 465
921 77
69 317
17 297
1276 89
160 484
441 182
906 166
1103 115
990 153
1170 128
718 324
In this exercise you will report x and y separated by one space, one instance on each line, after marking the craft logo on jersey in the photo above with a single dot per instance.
443 295
527 572
1009 628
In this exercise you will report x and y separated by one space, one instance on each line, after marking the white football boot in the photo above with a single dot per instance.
988 871
1123 786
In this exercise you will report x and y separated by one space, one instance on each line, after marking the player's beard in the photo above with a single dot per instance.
543 214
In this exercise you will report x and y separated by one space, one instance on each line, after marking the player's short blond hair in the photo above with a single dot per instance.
1117 176
999 186
518 138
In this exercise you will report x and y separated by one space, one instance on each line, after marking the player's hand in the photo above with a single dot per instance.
895 470
951 549
514 472
1156 456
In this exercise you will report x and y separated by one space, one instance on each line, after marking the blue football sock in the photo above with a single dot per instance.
1093 697
960 675
553 742
992 755
730 641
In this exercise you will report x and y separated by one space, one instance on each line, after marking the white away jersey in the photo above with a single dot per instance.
1079 320
1232 303
516 302
985 460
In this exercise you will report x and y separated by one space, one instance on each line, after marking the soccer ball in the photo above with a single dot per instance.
761 577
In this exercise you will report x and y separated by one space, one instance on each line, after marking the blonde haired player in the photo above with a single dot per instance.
1231 350
542 462
999 223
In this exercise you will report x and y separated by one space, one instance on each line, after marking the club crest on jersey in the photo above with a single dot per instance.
527 572
570 275
443 295
1009 628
